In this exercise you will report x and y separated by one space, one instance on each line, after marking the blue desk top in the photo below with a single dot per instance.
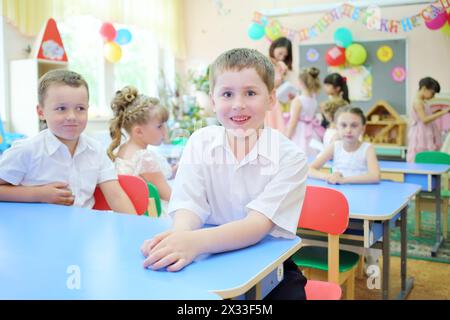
39 242
418 168
379 201
405 167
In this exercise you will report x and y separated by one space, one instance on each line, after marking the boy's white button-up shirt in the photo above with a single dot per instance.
271 179
44 159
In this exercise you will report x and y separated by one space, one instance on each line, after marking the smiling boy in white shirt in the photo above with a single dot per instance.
247 180
60 165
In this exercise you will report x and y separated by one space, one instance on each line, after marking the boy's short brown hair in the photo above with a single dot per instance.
59 76
242 58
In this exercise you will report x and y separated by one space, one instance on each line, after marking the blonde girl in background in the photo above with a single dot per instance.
143 119
303 126
330 108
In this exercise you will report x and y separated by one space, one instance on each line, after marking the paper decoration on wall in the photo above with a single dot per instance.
369 17
398 74
385 53
312 55
359 81
48 45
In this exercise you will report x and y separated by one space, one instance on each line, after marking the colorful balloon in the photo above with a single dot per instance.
123 36
273 30
438 21
108 31
112 51
255 31
446 29
335 56
356 54
343 37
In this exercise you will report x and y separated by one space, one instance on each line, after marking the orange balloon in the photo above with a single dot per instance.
112 51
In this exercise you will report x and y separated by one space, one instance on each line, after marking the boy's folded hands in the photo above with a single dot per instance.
55 193
171 249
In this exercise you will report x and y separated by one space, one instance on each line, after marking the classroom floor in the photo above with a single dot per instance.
431 281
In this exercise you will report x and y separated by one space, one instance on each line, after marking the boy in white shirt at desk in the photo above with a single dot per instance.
60 165
247 180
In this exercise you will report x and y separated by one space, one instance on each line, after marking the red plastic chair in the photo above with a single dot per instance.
134 187
326 210
321 290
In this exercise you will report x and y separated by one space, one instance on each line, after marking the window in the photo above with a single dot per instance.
141 63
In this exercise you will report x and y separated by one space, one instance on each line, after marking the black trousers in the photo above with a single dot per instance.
293 285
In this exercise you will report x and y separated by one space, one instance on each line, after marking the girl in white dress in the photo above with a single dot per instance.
329 110
143 119
353 161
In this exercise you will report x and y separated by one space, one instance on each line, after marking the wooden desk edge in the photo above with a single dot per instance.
237 291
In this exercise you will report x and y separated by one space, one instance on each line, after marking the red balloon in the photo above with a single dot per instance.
335 56
108 31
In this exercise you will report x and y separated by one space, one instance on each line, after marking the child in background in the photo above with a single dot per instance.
61 165
303 125
143 119
280 53
335 87
353 161
423 134
247 180
329 110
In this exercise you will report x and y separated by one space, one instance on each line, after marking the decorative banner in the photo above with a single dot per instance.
398 74
385 53
432 16
312 55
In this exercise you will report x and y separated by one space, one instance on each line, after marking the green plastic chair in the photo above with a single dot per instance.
154 203
426 201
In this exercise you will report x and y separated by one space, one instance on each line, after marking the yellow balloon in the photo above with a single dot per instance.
446 29
112 51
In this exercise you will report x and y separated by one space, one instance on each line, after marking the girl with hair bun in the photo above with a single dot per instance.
303 125
143 120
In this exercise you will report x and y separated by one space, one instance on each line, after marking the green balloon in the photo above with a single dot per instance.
356 54
446 29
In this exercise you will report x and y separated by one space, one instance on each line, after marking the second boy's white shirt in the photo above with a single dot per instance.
44 159
271 179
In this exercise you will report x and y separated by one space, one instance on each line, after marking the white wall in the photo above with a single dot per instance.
15 45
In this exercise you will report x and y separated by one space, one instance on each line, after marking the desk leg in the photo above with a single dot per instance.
406 284
386 260
439 237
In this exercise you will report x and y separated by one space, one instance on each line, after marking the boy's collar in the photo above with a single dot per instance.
53 143
266 145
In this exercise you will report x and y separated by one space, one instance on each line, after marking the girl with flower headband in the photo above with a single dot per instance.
143 119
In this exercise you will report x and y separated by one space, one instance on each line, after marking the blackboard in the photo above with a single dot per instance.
383 85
